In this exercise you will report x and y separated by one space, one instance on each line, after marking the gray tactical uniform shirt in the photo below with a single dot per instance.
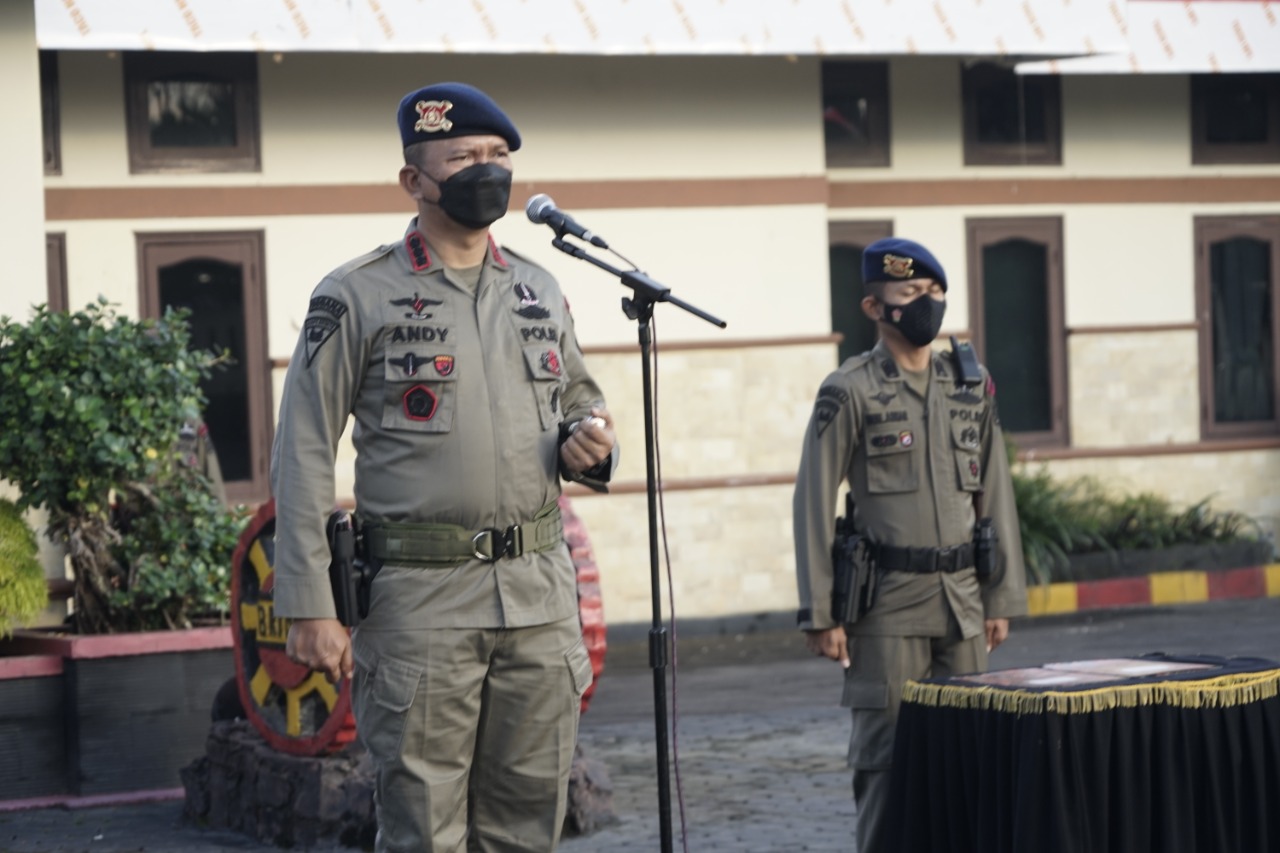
913 463
457 400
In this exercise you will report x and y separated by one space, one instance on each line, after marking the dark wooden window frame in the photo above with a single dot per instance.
140 68
55 251
856 233
1204 152
1212 229
157 249
51 119
1046 230
876 152
978 153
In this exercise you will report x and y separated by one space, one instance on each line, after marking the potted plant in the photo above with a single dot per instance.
91 407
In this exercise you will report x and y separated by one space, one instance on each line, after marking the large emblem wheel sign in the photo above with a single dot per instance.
294 708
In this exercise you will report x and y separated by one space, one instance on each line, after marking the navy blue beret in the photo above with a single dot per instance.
896 259
448 110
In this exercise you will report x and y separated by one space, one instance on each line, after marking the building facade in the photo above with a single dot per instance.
1112 242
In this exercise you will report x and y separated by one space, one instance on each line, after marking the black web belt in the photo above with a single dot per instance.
923 561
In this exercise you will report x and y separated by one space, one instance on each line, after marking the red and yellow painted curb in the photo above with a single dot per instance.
1187 587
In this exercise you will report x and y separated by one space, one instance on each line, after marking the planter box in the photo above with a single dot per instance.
135 708
1104 565
32 745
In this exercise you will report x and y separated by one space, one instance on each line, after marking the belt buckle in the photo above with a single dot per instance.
505 543
945 559
497 540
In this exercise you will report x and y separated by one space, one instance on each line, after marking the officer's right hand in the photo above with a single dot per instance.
321 644
829 643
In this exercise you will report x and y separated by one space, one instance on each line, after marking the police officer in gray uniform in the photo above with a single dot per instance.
459 363
923 454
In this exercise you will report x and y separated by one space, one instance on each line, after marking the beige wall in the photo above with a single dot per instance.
22 226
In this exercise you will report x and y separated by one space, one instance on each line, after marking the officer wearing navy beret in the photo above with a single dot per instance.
458 361
919 446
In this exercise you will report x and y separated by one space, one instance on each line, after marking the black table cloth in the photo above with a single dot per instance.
1158 754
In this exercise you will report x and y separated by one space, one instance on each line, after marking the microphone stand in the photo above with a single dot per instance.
639 307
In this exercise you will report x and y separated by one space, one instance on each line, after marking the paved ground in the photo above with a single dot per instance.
760 740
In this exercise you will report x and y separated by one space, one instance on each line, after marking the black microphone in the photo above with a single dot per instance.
542 210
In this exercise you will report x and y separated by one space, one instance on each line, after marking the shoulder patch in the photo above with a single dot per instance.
335 308
831 399
317 331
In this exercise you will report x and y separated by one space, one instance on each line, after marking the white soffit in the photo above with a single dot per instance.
1186 36
599 27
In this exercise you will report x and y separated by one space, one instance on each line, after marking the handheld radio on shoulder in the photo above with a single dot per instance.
966 362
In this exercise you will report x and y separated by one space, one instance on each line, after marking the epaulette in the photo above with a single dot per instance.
512 253
362 261
854 362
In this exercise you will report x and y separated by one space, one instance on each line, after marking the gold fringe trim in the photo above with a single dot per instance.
1225 691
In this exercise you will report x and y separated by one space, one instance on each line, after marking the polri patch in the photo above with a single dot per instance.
418 306
327 305
443 364
906 438
969 437
551 362
420 403
317 331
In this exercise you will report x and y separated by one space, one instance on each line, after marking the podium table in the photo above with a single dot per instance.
1156 754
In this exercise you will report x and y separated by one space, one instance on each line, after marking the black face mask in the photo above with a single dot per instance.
477 196
919 320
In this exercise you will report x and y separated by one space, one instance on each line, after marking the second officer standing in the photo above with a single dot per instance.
922 453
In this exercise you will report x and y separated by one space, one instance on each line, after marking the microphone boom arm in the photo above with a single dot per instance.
646 290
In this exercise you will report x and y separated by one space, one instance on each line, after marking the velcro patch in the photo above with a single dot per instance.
420 403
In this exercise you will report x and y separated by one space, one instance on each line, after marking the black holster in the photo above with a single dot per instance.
854 581
985 540
351 573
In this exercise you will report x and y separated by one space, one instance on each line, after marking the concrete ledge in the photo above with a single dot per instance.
1160 588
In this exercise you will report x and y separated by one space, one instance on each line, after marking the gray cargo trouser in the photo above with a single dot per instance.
472 733
879 667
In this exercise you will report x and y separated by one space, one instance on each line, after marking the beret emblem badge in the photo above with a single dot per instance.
431 116
897 266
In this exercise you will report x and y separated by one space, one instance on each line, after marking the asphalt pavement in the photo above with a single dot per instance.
758 744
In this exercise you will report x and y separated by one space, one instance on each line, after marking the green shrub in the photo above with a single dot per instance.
23 592
1059 519
91 405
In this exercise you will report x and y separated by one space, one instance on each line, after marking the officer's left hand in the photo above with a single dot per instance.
997 632
589 444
